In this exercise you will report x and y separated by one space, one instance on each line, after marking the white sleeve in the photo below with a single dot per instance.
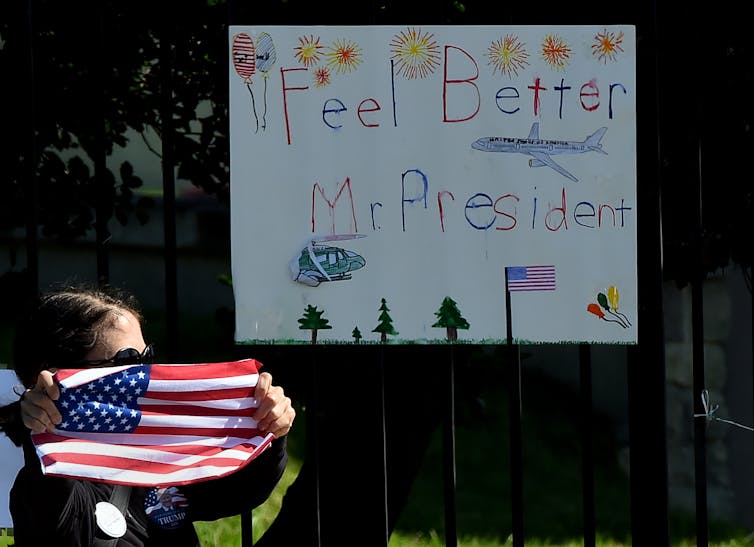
10 387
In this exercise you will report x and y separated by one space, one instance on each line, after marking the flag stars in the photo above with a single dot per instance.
105 404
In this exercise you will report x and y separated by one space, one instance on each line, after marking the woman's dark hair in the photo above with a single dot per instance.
63 325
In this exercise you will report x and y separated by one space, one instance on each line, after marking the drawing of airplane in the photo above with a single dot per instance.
540 150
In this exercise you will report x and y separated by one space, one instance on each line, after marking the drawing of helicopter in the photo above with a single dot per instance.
319 263
540 150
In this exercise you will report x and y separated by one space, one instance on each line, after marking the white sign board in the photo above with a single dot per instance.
10 454
13 459
384 177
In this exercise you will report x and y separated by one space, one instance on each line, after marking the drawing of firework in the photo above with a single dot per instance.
556 52
507 55
308 52
343 56
415 53
607 45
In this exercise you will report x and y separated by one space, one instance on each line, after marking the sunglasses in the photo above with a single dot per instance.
125 356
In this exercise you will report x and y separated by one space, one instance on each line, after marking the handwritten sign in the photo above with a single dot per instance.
384 177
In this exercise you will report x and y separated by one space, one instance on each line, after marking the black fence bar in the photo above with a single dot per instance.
516 444
646 360
167 39
312 446
449 454
31 193
99 152
697 358
382 433
587 458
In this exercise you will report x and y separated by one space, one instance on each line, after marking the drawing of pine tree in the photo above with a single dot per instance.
313 320
449 317
385 325
356 333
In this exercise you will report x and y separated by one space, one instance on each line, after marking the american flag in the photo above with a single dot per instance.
531 278
147 425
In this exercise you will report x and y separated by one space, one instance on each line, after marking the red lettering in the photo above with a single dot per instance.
595 93
468 81
285 98
374 108
331 204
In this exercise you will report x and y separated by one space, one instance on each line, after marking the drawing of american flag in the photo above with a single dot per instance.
531 278
149 425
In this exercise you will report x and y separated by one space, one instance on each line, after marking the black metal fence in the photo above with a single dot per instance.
645 361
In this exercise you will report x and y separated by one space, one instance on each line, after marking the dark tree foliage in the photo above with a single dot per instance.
97 72
706 142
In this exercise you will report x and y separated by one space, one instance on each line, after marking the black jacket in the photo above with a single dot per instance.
58 511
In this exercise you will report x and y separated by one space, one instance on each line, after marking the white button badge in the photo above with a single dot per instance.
110 519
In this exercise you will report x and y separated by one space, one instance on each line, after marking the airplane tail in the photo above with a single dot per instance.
593 140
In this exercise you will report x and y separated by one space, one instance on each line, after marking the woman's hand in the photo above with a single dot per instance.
275 413
38 410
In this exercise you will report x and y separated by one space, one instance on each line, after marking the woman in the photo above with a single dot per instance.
79 327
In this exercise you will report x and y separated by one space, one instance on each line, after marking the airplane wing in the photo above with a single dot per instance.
545 159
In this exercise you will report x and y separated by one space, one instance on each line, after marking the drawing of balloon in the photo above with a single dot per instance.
595 309
266 57
612 296
244 60
245 65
